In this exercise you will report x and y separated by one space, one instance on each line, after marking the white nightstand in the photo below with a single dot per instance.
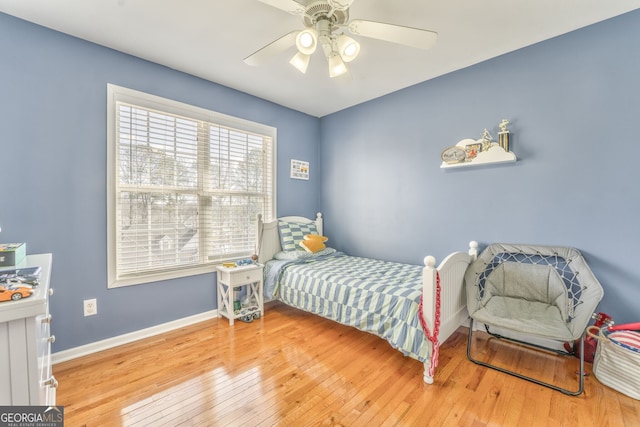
248 277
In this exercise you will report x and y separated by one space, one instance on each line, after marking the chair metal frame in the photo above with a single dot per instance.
534 346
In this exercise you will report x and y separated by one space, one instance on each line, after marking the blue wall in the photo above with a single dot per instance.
53 113
574 107
573 104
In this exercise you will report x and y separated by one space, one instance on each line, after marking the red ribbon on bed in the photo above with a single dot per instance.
435 347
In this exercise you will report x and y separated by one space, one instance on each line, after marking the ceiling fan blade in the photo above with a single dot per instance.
289 6
414 37
272 49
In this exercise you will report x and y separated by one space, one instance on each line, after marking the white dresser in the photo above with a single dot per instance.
25 343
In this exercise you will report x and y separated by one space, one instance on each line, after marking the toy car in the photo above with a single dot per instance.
248 314
27 276
13 292
12 279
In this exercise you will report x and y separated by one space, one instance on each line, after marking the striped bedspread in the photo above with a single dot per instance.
375 296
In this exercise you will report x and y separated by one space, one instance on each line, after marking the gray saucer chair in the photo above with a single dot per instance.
539 291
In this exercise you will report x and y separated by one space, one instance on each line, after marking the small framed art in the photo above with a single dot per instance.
299 169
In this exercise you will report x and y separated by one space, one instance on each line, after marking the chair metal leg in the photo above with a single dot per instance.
524 377
528 344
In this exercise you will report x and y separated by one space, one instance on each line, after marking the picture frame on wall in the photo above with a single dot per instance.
299 169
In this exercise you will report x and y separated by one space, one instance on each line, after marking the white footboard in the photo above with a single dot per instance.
453 306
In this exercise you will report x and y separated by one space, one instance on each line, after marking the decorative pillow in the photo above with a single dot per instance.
313 243
318 237
292 233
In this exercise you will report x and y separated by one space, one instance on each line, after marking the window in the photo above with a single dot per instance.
184 187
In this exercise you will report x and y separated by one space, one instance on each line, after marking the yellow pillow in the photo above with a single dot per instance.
313 243
316 237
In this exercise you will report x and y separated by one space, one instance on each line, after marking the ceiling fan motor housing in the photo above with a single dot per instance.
321 9
340 4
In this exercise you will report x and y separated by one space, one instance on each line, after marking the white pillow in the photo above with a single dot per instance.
291 255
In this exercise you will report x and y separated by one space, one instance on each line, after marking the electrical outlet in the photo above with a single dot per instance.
90 307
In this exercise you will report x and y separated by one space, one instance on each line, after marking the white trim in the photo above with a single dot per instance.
146 100
94 347
205 262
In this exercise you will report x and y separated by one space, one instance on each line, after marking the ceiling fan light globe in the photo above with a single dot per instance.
348 48
337 67
300 61
307 41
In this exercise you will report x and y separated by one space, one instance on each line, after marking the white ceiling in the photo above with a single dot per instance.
210 39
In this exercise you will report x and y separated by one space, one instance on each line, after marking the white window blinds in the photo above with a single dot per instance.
186 187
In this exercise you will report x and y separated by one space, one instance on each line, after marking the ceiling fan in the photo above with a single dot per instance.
324 23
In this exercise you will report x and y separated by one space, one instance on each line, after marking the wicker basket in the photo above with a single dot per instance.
617 360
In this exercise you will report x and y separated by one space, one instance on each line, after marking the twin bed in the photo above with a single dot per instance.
379 297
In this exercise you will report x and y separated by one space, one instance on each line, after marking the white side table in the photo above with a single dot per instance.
231 278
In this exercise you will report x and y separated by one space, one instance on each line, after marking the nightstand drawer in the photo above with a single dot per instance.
241 276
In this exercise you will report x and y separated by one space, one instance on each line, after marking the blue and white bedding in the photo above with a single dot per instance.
375 296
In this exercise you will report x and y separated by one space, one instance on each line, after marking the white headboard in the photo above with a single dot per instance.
269 238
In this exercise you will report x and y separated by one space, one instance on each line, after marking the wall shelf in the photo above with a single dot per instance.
495 154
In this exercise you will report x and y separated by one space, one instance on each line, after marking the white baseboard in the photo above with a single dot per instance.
94 347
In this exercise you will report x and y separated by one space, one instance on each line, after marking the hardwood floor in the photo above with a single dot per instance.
292 368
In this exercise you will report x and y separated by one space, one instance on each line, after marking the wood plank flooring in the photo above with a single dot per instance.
292 368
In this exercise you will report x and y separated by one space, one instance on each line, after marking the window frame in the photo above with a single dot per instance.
117 94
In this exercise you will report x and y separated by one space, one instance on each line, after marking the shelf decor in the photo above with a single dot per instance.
471 152
503 135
